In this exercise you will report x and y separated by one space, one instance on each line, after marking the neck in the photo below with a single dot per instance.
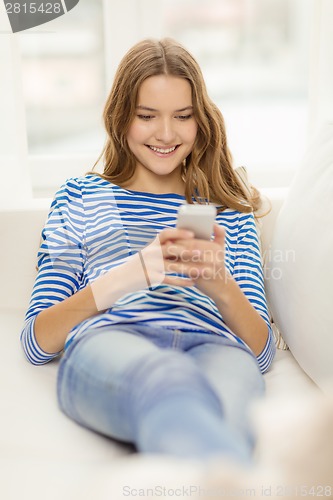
156 185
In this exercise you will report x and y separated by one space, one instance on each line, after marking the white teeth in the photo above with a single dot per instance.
163 151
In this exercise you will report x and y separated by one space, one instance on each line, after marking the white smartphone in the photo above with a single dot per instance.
197 218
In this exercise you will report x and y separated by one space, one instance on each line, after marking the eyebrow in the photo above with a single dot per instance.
146 108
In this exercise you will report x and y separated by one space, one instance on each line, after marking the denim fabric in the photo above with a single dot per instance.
184 393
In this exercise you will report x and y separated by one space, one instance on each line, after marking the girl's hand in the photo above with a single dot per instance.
177 251
203 261
173 250
145 269
156 258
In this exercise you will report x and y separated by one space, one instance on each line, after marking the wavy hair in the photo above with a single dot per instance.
208 171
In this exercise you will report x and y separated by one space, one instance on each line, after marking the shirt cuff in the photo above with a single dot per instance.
266 356
33 352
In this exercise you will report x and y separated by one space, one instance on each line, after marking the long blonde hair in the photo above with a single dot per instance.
208 172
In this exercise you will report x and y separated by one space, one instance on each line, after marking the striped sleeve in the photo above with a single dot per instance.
32 350
248 273
60 264
266 357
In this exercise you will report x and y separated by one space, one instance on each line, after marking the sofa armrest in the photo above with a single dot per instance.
20 228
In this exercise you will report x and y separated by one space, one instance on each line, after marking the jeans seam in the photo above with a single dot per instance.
176 339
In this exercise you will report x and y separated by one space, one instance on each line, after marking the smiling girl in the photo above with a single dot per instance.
163 337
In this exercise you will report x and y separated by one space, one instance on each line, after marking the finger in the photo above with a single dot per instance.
219 234
174 234
189 270
182 249
177 281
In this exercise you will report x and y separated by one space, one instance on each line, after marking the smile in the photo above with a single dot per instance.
163 151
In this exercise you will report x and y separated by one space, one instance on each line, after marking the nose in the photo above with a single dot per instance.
165 131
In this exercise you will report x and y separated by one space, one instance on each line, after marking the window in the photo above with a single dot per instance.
63 75
254 55
63 81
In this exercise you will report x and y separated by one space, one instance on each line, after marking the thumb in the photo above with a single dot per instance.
219 234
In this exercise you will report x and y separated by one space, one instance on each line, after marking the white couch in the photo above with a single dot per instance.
43 454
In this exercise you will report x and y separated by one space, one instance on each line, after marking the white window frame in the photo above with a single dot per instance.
321 66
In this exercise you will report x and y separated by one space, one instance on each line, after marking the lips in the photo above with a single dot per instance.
163 151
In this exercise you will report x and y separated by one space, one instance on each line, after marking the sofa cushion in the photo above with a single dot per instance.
31 422
299 274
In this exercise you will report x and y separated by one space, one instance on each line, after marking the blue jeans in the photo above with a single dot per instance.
183 393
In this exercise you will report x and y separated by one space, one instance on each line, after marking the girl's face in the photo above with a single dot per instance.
163 131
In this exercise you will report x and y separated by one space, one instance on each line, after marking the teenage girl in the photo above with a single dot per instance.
163 337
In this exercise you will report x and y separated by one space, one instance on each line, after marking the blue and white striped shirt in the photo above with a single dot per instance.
94 225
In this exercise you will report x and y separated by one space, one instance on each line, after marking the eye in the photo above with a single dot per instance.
145 117
184 117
